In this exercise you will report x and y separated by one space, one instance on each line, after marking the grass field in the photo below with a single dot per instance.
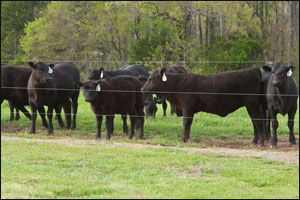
54 170
162 130
44 170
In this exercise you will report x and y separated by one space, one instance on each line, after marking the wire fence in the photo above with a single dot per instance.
203 67
166 117
154 92
85 65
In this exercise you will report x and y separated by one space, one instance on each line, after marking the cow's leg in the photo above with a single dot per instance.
164 105
50 115
255 139
42 113
67 110
109 125
267 125
17 117
256 117
99 123
25 112
33 118
140 114
11 108
132 124
125 127
58 115
75 108
113 128
291 125
274 120
187 122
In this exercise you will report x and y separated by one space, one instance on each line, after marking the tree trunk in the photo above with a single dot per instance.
282 30
222 32
200 32
206 28
290 31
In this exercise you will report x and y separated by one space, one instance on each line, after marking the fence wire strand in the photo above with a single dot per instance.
154 92
158 61
161 117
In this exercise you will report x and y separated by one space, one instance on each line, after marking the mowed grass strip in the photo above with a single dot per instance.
161 130
50 170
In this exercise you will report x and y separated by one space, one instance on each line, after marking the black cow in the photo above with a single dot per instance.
177 68
138 69
282 96
14 81
52 87
219 94
116 95
94 74
150 102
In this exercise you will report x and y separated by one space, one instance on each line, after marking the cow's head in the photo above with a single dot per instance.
42 73
156 81
90 89
150 105
280 73
93 74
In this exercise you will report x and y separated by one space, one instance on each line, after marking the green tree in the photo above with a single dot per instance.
14 16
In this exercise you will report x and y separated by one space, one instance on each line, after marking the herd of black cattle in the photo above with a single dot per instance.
264 91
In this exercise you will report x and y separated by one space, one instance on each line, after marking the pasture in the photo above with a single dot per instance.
160 130
42 166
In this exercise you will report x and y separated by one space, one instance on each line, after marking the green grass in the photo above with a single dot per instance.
50 170
162 130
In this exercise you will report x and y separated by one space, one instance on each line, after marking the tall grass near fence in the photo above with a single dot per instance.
161 130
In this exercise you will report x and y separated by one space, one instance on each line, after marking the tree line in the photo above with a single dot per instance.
187 32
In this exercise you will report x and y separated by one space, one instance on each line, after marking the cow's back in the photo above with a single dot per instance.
65 76
138 69
119 94
220 93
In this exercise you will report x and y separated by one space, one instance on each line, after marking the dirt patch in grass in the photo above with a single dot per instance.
236 146
236 142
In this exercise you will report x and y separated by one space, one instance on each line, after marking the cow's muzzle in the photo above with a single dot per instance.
276 83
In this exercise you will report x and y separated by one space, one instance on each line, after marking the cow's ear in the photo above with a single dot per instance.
101 72
51 65
291 68
162 73
267 68
98 87
32 65
78 84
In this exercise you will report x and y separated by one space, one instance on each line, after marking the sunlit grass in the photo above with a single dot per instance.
162 130
49 170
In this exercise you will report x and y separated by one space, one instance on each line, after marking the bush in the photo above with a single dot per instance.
235 51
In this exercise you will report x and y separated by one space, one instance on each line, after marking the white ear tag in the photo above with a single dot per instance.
164 78
50 71
289 73
98 88
101 75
